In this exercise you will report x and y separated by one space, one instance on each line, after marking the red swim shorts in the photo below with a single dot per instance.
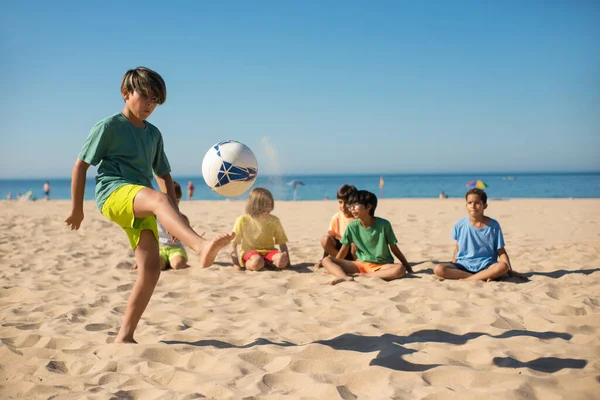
267 256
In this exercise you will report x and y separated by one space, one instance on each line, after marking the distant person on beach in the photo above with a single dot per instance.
47 190
129 150
330 242
257 232
479 254
190 190
172 252
9 196
443 195
375 242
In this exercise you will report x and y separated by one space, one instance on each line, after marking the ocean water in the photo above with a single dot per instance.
318 187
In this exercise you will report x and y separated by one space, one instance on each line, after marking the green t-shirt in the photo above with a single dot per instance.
127 155
373 243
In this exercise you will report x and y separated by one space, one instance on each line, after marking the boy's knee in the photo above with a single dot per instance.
178 263
326 240
439 270
255 263
400 271
503 267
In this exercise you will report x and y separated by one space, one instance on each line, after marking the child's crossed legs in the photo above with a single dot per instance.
341 268
254 261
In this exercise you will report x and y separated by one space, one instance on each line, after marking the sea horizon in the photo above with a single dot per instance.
501 185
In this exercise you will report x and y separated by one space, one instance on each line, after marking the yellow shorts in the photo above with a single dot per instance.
168 252
119 209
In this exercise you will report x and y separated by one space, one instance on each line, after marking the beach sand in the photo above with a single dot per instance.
222 334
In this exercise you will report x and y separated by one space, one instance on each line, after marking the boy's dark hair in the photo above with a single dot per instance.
146 82
365 198
479 192
178 192
345 191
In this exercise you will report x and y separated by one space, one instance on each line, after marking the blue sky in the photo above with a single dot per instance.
312 87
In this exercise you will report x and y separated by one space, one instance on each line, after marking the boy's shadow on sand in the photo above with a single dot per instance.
391 348
562 272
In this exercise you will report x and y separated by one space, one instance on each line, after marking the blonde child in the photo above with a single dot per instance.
130 151
257 232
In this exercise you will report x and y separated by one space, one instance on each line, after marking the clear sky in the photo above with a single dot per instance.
311 86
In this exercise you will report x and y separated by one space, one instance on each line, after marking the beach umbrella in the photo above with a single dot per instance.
295 183
476 184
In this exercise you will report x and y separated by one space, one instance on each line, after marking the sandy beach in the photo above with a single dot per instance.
218 333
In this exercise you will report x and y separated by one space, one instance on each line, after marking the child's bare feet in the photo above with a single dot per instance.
208 250
340 280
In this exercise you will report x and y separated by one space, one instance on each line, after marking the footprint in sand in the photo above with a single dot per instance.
57 367
28 327
124 288
97 327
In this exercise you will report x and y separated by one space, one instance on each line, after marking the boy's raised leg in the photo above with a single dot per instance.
148 264
150 202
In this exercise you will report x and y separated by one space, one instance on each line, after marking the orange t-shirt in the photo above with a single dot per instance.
338 225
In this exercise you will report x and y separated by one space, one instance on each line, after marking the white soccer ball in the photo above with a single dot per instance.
229 168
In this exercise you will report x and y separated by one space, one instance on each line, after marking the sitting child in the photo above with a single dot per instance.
258 231
331 241
375 242
479 245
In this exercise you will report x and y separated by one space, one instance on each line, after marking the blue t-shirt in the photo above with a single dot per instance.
477 248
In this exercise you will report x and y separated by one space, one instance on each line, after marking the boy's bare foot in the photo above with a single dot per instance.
340 280
209 249
125 341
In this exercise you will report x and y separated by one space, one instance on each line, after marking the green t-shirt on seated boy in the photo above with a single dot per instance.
373 243
127 155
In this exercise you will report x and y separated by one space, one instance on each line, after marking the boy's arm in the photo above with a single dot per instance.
234 257
400 256
75 218
284 249
343 252
454 259
165 183
503 256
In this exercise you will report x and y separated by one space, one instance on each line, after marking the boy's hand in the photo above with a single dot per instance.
74 219
512 273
